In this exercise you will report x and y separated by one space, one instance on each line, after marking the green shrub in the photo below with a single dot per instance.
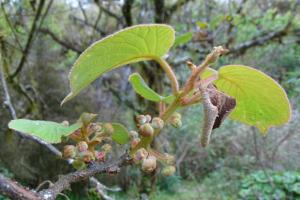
271 185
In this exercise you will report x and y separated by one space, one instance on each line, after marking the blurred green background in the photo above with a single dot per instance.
41 39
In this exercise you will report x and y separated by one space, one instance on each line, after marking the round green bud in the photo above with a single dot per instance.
140 155
133 134
108 128
148 118
135 142
82 146
157 123
176 122
168 171
149 164
69 151
146 130
141 119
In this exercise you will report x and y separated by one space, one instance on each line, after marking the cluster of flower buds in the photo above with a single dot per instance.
87 139
175 120
148 161
147 125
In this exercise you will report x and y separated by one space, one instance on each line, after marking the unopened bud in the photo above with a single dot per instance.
108 128
100 156
157 123
86 156
87 118
146 130
140 155
135 142
133 134
168 171
148 118
169 159
69 151
82 146
106 148
149 164
65 123
141 119
176 115
176 122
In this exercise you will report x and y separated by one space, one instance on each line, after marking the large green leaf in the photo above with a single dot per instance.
261 102
120 134
137 43
51 132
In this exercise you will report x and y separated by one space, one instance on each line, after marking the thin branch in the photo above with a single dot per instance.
65 181
82 11
111 14
100 189
15 191
7 101
102 33
11 27
60 41
29 39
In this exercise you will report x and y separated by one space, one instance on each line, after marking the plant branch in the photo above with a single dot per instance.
29 39
65 181
60 41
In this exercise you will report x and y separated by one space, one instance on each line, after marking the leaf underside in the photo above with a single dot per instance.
133 44
260 100
51 132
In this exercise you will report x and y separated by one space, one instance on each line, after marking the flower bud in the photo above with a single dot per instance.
169 159
168 171
86 156
176 122
69 151
146 130
65 123
135 142
176 115
133 134
141 119
100 156
108 128
157 123
140 155
148 118
106 148
149 164
82 146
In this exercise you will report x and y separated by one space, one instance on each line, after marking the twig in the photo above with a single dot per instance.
7 101
30 39
60 41
11 27
100 189
65 181
15 191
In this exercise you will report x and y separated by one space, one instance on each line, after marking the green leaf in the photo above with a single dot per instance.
143 89
261 102
51 132
130 45
140 87
182 39
120 134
